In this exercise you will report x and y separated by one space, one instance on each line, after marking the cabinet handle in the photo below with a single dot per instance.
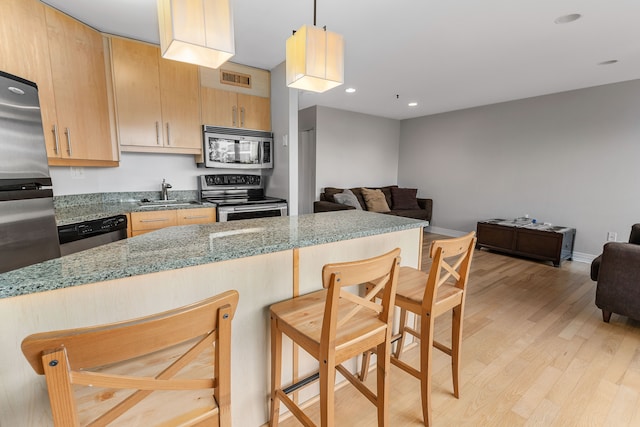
67 132
195 217
168 134
155 220
157 133
241 117
56 139
234 113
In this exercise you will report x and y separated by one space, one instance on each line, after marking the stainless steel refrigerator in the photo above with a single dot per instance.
28 232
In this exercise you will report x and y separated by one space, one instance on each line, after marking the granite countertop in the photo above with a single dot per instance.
191 245
87 207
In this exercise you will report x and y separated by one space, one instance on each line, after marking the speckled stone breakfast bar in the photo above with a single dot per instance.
191 245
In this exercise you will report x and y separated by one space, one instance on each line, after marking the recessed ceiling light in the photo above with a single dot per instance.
609 62
565 19
350 90
413 104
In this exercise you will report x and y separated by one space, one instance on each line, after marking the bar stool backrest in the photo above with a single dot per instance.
195 339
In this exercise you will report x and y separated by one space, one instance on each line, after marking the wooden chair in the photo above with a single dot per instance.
194 340
429 296
334 325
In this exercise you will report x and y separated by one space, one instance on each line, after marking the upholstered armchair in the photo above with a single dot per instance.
617 272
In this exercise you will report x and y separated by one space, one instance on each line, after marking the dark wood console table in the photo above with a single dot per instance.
539 241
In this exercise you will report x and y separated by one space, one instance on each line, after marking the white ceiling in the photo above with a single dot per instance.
444 54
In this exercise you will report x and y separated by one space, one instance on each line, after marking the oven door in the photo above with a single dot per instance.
233 213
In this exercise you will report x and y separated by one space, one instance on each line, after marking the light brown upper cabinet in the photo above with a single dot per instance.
65 58
157 100
231 109
235 96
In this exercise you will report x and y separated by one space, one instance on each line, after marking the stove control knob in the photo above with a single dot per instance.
217 180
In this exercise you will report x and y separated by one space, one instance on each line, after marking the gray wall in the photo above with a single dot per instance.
277 180
354 149
569 159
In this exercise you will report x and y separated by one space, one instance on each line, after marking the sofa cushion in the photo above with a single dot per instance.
375 200
347 198
635 234
329 192
404 198
387 193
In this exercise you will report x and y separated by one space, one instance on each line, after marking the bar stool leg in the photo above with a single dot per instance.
383 367
402 332
426 353
327 386
276 372
456 347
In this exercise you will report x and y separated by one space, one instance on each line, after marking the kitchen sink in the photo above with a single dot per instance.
146 203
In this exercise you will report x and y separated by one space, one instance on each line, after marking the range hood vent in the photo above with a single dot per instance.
234 78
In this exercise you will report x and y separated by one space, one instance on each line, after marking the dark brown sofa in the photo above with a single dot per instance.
617 272
328 204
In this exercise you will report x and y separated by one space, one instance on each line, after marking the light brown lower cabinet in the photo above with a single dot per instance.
196 216
144 222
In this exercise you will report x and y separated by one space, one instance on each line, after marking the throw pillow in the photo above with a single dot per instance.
404 198
375 200
347 198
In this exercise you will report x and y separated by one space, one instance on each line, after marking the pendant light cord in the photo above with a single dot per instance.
314 13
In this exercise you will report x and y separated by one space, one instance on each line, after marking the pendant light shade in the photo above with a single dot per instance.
196 31
315 59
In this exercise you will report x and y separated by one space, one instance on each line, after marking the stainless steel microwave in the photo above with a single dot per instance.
237 148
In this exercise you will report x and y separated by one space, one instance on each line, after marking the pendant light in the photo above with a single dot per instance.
196 31
315 58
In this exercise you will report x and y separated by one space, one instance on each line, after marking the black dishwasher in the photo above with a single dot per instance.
89 234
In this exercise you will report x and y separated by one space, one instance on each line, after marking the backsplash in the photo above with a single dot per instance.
137 172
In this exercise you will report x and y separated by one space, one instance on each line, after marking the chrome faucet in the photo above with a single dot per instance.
165 189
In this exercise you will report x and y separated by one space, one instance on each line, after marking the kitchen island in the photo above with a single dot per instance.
266 260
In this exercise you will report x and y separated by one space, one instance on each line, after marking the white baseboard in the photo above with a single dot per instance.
582 257
577 256
445 231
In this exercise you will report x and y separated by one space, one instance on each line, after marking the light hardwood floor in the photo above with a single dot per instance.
535 353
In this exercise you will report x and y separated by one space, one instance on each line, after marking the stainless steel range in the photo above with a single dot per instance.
239 196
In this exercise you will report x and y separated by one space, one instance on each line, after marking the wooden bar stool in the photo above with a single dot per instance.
334 325
152 357
429 296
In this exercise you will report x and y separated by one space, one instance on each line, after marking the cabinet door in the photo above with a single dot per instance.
79 83
137 90
24 52
153 220
219 107
254 112
180 99
196 216
496 236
